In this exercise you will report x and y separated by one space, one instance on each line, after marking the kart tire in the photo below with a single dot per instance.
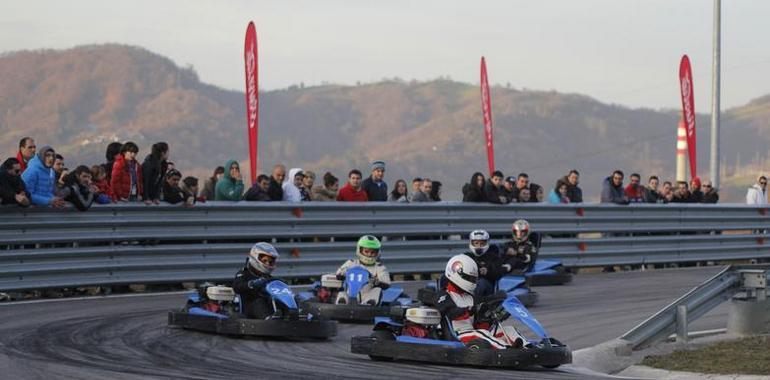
383 335
551 366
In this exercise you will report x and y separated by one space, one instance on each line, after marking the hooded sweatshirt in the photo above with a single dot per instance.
756 196
10 185
291 193
612 193
228 189
40 179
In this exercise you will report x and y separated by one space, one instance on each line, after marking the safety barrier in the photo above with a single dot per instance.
124 244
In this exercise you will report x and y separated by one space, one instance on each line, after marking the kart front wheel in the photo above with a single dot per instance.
382 335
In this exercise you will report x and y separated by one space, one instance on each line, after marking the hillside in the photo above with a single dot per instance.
79 99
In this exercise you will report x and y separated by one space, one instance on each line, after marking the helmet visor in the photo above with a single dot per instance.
267 260
370 252
479 243
467 277
519 234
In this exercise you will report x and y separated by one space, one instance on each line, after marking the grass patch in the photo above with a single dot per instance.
750 356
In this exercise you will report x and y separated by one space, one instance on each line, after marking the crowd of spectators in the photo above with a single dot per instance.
40 177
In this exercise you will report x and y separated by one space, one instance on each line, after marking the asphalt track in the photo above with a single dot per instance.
127 337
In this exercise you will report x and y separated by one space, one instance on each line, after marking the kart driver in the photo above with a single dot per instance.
250 281
488 259
455 302
521 251
367 256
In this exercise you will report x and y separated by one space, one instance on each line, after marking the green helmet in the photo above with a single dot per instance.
370 242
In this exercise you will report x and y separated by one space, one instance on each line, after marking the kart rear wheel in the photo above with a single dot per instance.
383 335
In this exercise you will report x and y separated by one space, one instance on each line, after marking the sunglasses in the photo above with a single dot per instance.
763 183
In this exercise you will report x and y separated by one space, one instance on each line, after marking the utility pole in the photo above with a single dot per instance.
715 90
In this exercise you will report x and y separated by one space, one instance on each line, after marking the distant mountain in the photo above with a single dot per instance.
79 99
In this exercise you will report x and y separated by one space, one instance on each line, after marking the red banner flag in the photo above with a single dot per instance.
486 108
688 110
252 96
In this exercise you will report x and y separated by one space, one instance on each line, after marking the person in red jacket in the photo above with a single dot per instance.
352 191
635 191
126 180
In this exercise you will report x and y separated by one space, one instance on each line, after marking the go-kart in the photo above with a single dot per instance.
543 272
217 309
423 335
322 300
548 272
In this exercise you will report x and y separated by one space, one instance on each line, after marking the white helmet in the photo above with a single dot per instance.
462 271
258 253
478 235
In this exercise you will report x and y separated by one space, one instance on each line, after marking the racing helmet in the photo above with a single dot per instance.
478 236
372 247
262 257
462 271
520 230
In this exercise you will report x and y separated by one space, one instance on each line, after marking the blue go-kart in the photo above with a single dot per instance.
546 272
217 309
423 335
323 298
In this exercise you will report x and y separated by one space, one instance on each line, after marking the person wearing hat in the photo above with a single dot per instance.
376 189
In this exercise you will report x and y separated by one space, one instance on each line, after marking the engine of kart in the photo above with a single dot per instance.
425 316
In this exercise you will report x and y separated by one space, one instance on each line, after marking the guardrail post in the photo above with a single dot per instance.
681 324
750 310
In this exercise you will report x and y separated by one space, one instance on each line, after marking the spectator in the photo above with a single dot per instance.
113 149
493 189
170 165
508 189
58 168
26 152
522 182
154 172
78 188
352 191
190 186
682 194
230 188
757 194
435 191
538 191
291 186
12 190
710 195
99 179
416 183
173 193
258 192
276 183
376 189
525 196
209 187
560 193
696 193
666 192
423 193
634 190
399 193
612 189
574 192
473 191
651 194
307 185
126 180
327 192
39 179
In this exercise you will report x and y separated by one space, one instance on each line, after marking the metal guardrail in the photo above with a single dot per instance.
123 244
691 306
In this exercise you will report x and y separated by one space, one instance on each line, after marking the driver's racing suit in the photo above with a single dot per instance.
249 284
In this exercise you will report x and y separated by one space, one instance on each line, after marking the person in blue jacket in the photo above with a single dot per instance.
39 179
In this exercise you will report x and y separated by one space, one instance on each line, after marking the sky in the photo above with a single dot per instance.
617 51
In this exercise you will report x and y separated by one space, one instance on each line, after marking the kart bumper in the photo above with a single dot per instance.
317 329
